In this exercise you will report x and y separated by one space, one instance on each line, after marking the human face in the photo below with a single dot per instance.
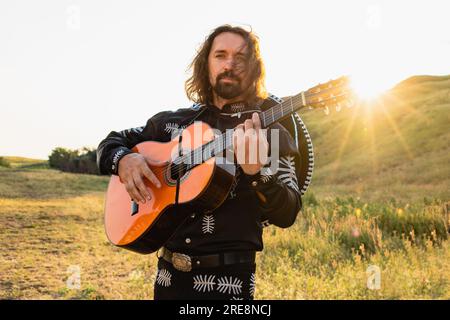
227 64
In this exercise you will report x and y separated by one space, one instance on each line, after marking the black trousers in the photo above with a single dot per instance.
235 282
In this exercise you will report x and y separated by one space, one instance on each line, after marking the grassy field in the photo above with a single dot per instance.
378 209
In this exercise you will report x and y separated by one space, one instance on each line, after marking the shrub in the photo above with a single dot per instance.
77 161
4 163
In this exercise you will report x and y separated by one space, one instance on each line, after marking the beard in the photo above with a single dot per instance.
228 90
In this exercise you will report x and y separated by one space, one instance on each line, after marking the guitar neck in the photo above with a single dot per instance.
225 140
282 110
333 92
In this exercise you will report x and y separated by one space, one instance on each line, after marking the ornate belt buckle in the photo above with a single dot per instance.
181 262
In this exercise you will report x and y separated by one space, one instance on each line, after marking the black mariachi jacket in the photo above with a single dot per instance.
238 223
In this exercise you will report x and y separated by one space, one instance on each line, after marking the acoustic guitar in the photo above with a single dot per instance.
195 174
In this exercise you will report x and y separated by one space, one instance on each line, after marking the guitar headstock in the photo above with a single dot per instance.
334 93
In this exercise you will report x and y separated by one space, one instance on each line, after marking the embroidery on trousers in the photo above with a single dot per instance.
229 285
204 283
252 284
164 278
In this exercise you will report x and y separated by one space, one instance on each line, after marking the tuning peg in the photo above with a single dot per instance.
326 110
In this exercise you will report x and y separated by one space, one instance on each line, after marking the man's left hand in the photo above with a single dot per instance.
250 144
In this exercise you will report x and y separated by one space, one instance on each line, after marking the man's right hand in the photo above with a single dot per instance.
133 169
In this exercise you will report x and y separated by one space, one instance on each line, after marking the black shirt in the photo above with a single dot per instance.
254 202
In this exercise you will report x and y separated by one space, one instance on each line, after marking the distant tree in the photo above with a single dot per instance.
61 157
87 161
78 161
4 163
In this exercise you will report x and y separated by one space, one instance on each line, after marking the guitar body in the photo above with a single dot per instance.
145 228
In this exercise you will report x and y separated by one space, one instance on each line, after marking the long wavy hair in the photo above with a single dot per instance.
198 87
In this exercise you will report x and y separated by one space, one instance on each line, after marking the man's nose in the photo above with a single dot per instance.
228 64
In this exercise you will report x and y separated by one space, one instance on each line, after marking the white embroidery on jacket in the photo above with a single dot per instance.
266 174
208 224
237 107
173 128
287 172
136 130
116 158
233 193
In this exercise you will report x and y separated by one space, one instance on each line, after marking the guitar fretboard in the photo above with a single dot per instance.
225 141
283 109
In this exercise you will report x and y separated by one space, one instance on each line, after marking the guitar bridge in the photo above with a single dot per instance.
134 207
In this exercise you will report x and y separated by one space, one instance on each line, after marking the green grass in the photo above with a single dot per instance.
47 184
26 163
398 146
377 201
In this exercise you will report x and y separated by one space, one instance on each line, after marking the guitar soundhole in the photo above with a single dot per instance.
175 171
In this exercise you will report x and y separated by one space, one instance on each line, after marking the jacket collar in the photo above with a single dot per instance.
236 107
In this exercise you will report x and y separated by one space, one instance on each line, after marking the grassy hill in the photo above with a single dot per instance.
397 146
379 199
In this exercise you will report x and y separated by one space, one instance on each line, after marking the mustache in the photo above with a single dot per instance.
228 74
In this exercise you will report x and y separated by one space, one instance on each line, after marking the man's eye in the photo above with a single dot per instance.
219 55
241 61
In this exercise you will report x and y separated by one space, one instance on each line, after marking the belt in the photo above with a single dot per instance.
186 263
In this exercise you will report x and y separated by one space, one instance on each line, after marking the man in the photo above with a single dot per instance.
227 85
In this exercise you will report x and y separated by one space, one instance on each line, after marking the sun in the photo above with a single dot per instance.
368 88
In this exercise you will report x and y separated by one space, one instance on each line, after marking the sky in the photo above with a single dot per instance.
72 71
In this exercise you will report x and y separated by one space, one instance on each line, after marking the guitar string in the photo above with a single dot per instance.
195 153
279 113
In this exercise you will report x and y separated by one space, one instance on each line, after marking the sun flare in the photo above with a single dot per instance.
368 88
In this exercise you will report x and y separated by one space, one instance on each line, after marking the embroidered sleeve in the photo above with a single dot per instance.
277 187
118 144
